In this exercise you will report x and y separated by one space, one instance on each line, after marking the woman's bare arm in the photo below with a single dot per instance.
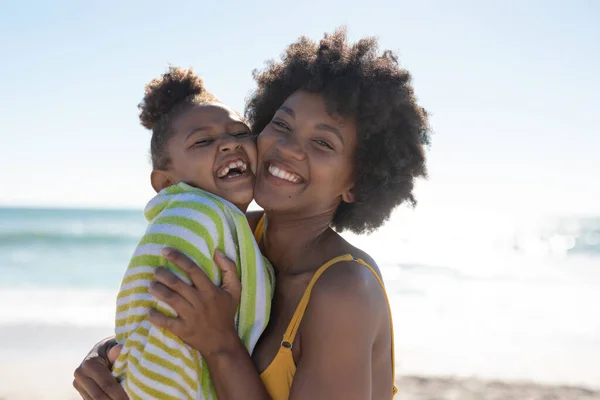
345 313
234 373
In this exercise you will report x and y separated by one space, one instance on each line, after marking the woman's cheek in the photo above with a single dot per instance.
265 139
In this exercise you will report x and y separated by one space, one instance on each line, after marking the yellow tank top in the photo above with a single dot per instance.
278 376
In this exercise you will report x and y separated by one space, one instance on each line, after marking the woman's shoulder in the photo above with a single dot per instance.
350 286
351 277
346 301
354 270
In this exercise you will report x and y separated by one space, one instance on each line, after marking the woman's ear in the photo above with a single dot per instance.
348 196
160 180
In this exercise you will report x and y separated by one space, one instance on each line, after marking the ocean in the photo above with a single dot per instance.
473 293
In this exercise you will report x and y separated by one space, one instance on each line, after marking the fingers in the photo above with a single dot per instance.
172 290
174 325
94 391
194 272
162 293
113 353
224 263
80 389
99 382
115 391
87 387
231 281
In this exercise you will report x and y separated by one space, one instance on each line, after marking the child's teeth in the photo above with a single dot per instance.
223 171
241 165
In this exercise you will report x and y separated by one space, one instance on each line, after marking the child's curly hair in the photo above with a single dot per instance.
355 81
176 91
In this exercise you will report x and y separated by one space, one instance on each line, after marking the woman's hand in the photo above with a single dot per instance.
205 312
93 379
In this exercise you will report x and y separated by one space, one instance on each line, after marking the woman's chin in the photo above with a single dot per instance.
272 200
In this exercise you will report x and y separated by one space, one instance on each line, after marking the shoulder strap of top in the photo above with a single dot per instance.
292 329
260 228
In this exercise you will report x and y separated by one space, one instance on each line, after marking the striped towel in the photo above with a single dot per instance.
154 363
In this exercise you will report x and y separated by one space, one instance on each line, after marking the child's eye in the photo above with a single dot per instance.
203 142
241 134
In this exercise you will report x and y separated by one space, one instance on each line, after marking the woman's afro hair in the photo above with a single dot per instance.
356 81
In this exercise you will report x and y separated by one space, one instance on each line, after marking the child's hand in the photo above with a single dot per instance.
205 312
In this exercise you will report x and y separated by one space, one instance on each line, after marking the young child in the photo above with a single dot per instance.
203 160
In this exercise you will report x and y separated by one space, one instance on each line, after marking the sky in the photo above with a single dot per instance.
512 88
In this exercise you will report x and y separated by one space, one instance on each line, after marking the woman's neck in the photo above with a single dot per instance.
294 244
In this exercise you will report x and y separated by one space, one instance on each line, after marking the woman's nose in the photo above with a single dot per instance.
289 147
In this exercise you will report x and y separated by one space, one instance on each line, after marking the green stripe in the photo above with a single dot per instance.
136 303
189 224
146 260
140 276
141 289
248 302
182 245
206 383
172 352
157 394
214 216
178 369
132 319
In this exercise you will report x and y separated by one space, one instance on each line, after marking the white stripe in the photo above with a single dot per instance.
142 269
195 198
135 296
193 215
162 371
148 249
260 305
159 352
153 384
231 245
132 327
181 233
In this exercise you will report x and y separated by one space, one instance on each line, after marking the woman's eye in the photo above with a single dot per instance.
323 143
280 124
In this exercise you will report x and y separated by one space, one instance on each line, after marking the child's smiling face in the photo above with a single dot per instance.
211 149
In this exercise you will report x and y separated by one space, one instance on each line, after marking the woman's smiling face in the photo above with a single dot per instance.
305 158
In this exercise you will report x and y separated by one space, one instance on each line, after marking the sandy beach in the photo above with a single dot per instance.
52 381
432 388
37 362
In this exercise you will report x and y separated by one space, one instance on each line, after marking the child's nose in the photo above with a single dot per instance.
229 143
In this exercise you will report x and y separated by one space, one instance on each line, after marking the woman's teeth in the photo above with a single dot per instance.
279 173
239 165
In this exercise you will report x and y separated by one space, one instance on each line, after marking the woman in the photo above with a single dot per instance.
340 143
